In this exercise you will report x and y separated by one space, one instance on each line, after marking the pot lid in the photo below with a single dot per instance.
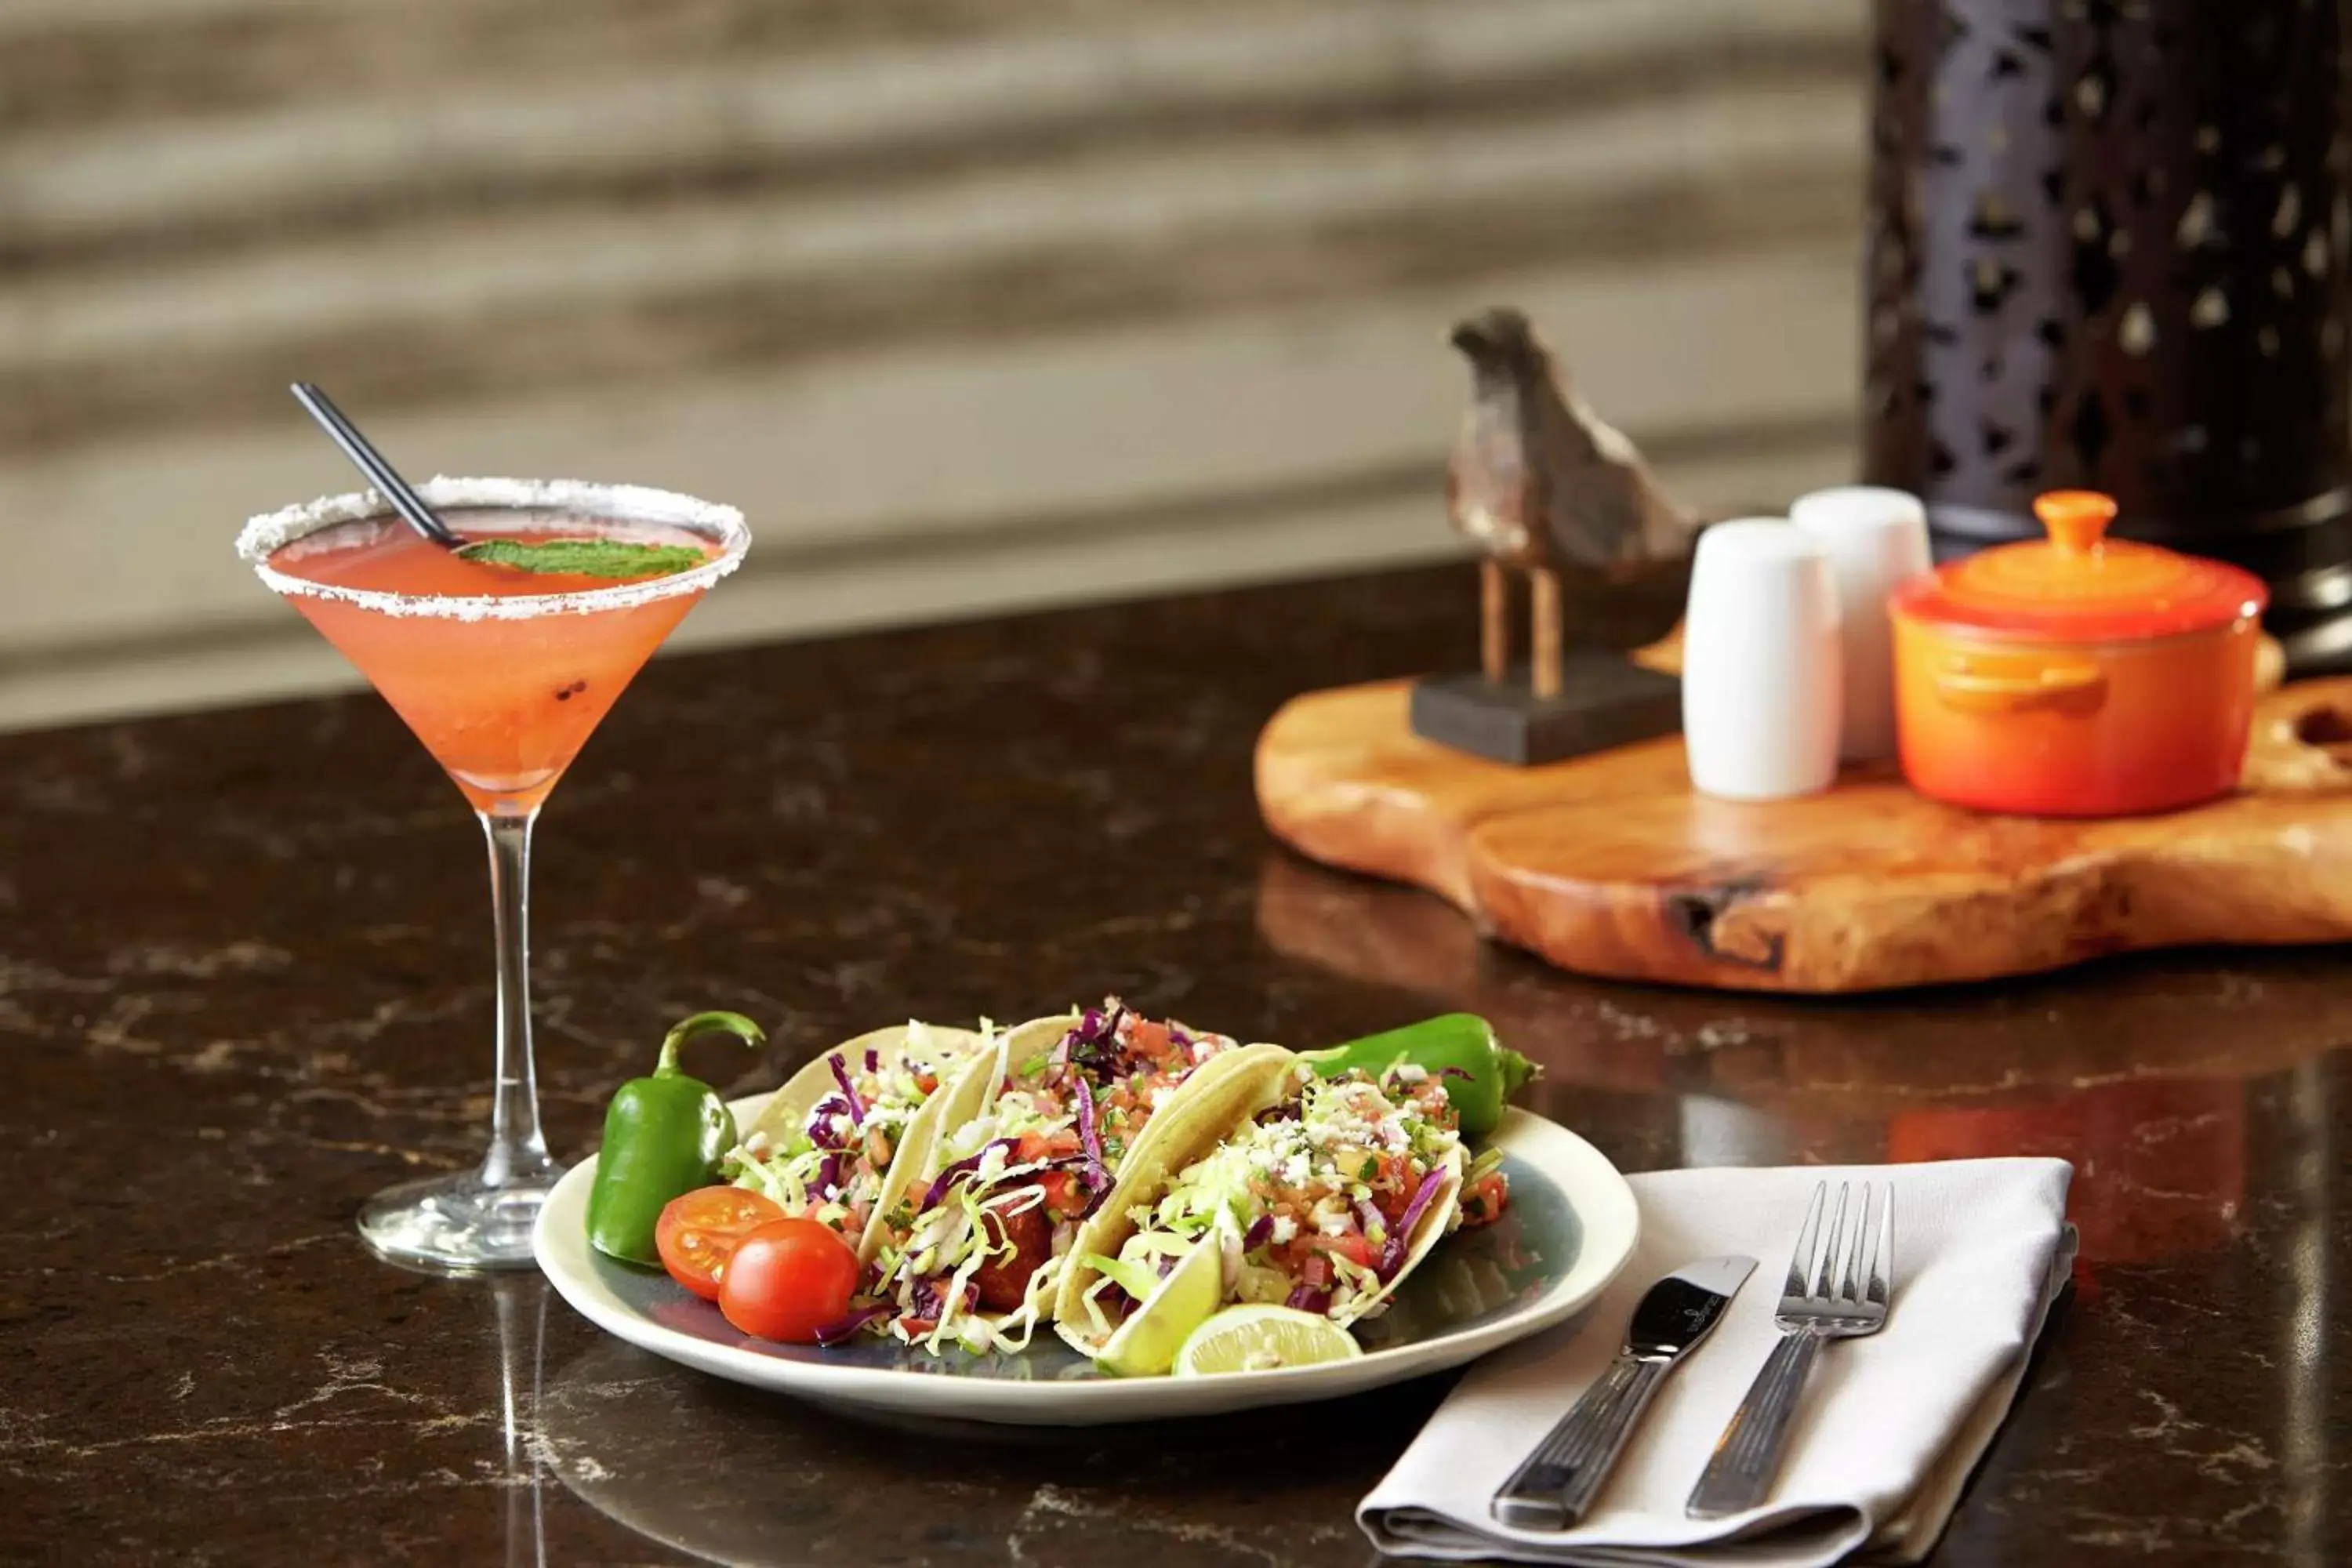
2078 585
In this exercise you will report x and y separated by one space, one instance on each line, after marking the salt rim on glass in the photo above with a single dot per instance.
263 536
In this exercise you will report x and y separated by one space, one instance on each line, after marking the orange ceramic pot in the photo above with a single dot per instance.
2077 676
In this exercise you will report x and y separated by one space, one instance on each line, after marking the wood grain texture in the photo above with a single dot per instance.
1610 865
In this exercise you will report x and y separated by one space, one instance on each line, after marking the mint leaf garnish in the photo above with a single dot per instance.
615 559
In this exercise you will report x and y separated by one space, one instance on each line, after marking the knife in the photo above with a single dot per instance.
1556 1485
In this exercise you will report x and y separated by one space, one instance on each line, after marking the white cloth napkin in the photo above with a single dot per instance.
1889 1429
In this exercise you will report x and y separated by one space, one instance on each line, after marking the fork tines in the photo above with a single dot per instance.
1825 1276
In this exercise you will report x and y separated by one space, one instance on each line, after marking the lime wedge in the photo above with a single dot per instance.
1147 1342
1258 1337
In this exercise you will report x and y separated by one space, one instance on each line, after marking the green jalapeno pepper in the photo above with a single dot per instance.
1481 1073
663 1138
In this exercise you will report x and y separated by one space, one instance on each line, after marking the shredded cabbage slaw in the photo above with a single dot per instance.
1060 1125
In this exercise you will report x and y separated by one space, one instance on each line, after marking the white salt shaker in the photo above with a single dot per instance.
1877 538
1761 662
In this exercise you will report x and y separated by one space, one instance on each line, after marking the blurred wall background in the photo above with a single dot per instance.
968 303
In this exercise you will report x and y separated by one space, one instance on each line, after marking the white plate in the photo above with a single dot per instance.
1570 1227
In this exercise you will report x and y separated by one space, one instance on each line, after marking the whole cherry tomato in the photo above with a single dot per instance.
787 1280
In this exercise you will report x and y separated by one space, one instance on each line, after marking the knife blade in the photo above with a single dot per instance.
1556 1485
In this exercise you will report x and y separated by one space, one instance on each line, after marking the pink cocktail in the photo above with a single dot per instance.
503 674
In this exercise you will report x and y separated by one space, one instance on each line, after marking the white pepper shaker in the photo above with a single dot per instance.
1877 538
1761 662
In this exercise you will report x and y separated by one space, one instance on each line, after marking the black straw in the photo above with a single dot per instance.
381 474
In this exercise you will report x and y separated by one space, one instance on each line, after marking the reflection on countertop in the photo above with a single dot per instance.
242 986
741 1477
2146 1077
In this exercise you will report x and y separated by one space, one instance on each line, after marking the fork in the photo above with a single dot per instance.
1836 1290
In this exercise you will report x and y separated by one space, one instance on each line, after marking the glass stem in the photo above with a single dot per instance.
517 1147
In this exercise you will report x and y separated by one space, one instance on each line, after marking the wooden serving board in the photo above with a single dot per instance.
1610 865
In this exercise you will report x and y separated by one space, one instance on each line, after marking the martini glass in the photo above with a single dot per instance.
503 675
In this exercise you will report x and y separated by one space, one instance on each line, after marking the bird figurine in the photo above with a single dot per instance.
1539 484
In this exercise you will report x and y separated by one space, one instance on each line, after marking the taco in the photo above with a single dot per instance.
844 1137
1323 1194
972 1255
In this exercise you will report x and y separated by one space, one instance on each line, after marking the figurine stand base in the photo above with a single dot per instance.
1605 700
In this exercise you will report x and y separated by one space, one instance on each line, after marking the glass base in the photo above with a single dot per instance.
458 1224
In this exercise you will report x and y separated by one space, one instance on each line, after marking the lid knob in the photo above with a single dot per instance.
2077 520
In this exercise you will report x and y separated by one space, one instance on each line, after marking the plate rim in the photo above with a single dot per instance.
1598 1192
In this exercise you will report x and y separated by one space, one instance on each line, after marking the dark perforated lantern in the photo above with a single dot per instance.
2107 251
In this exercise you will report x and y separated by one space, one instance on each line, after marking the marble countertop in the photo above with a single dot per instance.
244 981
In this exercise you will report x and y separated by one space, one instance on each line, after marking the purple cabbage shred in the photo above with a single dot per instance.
1098 1172
820 1124
1094 1044
1260 1229
873 1059
828 1176
948 1178
848 1090
843 1329
1307 1298
1393 1250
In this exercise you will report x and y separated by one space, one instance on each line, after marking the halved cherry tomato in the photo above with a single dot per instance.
698 1231
788 1278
